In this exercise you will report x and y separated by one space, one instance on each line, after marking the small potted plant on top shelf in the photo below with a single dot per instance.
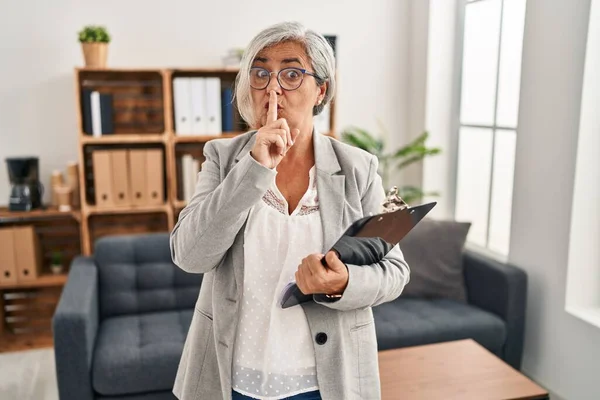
56 265
94 42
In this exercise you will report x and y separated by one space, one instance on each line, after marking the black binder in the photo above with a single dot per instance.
366 242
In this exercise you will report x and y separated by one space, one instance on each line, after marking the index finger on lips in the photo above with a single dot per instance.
272 111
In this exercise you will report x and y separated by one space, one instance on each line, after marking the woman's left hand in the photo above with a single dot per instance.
313 278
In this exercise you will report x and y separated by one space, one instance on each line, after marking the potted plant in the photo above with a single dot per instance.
401 158
56 265
94 42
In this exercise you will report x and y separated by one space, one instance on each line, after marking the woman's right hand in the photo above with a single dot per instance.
274 139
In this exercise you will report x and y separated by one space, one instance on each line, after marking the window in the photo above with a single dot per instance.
489 104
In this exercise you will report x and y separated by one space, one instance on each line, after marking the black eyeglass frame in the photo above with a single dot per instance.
302 70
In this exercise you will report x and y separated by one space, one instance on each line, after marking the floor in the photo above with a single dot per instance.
28 375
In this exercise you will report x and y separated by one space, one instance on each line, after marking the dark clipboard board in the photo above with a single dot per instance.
366 242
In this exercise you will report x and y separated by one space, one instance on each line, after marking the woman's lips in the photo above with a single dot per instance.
278 106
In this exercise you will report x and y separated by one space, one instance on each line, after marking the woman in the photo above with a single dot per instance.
268 203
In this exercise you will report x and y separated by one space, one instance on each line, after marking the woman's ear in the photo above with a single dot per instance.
321 95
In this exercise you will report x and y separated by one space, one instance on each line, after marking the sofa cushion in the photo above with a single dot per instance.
136 275
434 253
410 322
139 353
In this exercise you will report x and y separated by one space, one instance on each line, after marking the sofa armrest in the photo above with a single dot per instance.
75 324
501 289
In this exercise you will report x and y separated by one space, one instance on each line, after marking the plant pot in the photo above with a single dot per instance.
56 269
95 54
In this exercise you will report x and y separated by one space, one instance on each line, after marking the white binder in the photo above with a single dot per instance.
183 106
188 176
198 99
96 114
213 106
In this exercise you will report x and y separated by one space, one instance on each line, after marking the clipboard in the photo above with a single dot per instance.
368 240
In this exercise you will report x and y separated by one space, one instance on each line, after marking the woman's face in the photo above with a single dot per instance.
296 105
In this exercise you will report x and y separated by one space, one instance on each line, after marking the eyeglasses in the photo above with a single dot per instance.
288 78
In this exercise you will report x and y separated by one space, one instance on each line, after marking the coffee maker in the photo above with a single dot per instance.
26 189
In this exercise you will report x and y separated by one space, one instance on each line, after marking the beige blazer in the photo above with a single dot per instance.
209 239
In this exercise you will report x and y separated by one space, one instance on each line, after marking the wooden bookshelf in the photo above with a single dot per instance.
142 97
45 280
123 139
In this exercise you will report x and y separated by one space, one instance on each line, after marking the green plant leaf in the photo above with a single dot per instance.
93 34
361 138
418 156
413 194
418 142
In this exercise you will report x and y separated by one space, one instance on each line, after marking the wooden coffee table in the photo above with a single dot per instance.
453 370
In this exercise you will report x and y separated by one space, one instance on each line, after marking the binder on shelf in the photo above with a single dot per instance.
227 109
106 114
182 105
198 87
8 263
189 175
96 116
102 178
97 113
28 253
137 177
154 177
86 107
186 170
119 177
213 106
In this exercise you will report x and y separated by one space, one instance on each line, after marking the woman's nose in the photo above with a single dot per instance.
274 85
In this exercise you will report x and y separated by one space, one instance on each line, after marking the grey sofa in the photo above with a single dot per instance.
123 316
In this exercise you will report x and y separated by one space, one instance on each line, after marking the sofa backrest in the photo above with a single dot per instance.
136 275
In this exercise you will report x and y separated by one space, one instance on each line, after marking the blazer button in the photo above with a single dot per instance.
321 338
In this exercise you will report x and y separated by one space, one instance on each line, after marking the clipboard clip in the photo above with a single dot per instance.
393 201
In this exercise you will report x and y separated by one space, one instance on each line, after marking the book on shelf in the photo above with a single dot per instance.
227 109
97 113
190 167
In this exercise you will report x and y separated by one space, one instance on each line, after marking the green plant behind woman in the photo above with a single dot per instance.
411 153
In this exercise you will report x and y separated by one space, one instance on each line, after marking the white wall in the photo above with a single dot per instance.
583 278
441 103
38 51
416 84
561 351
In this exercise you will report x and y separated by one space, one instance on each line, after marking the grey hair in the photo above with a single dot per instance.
317 49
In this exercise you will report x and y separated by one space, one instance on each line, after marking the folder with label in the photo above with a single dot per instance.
366 242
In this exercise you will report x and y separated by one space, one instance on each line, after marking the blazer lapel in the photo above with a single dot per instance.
330 189
238 244
246 149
